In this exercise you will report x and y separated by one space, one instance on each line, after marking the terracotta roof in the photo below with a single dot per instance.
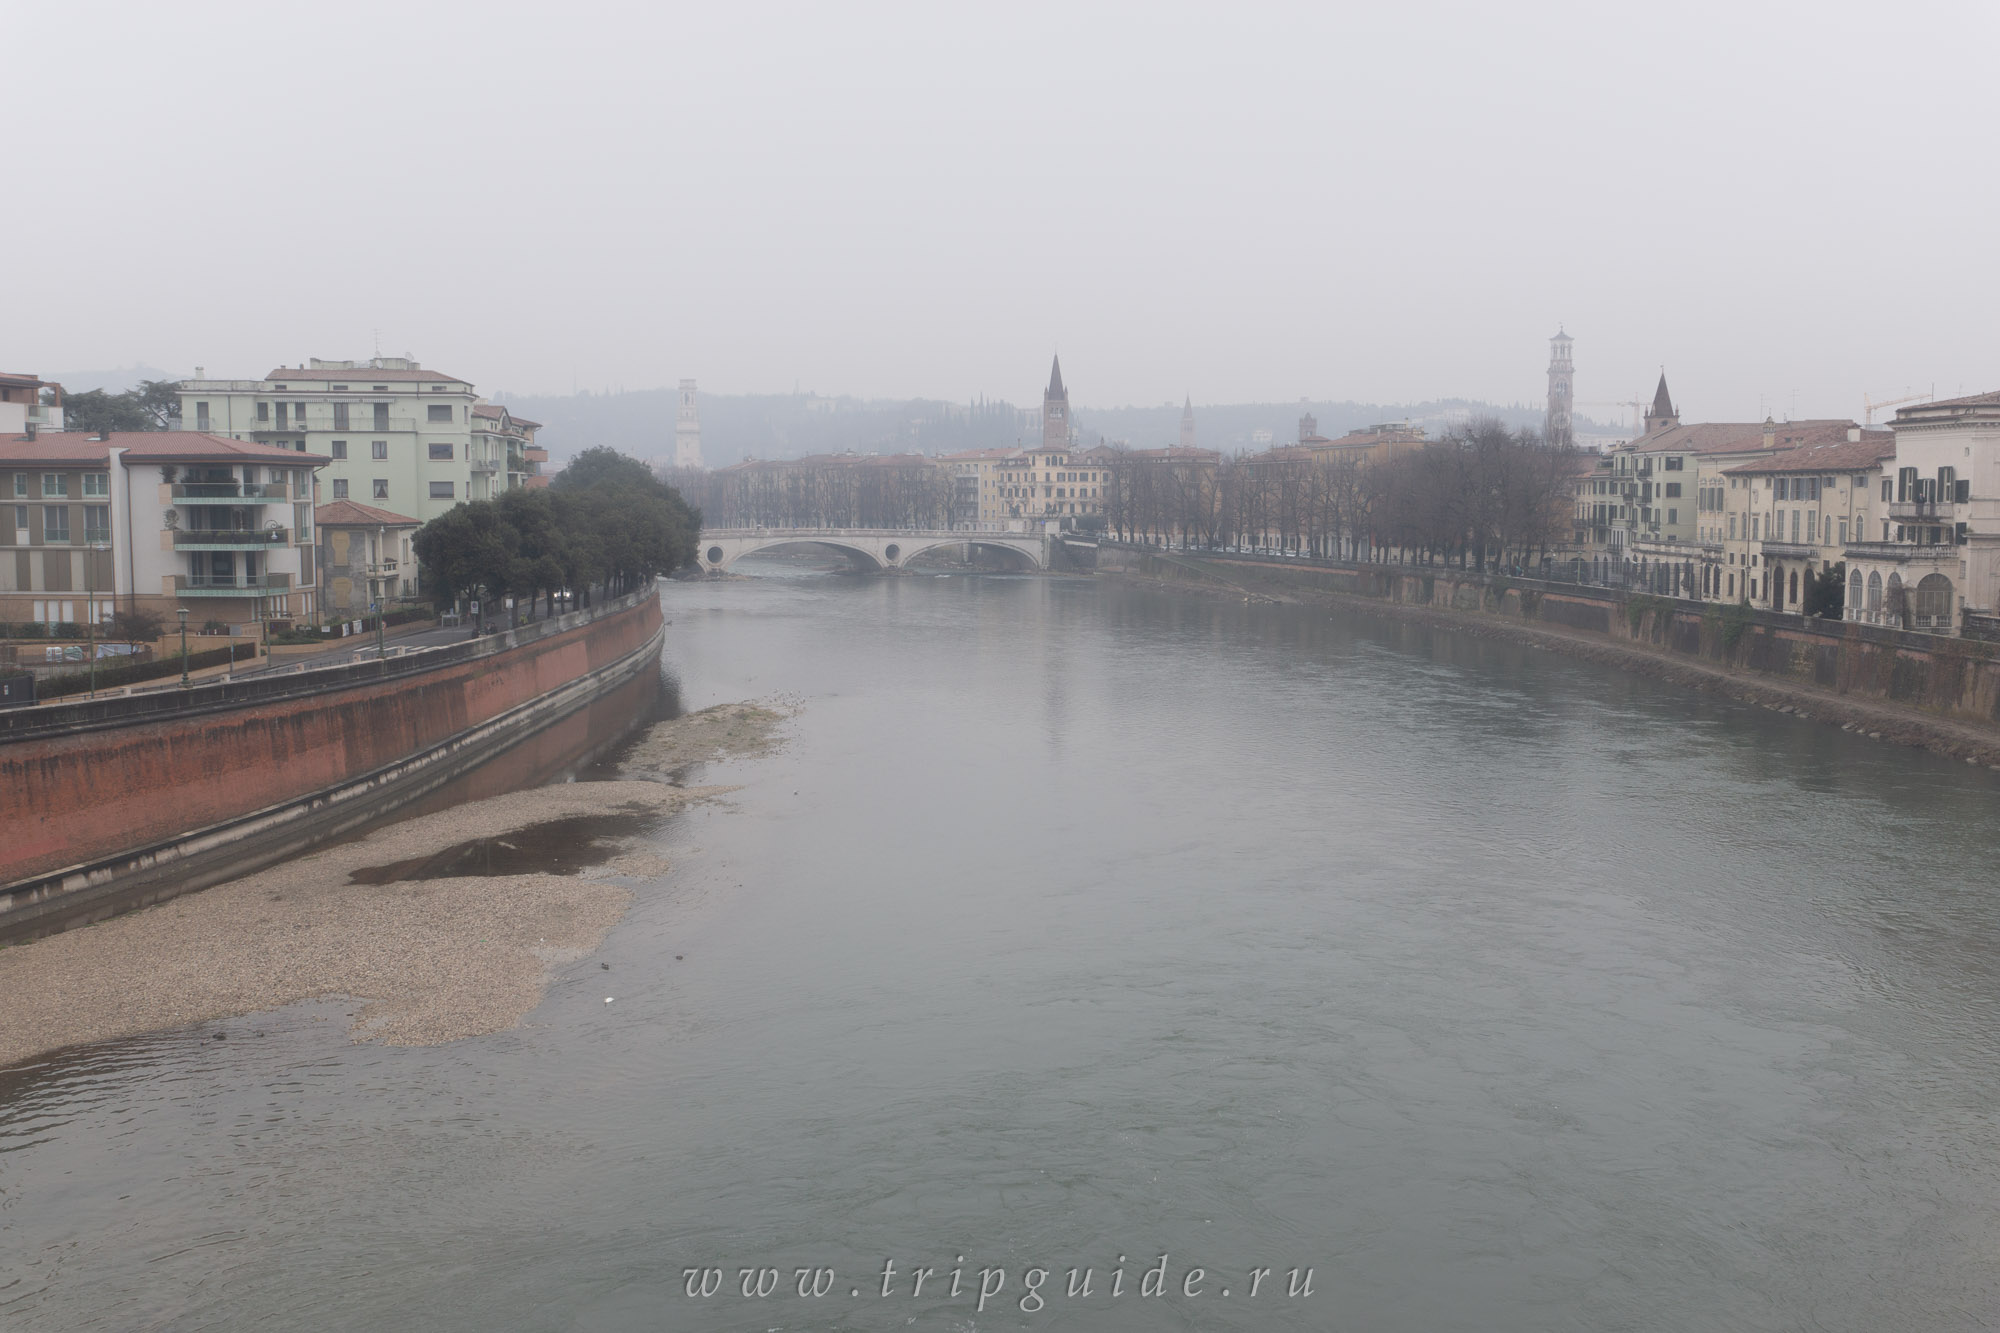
360 374
21 381
495 411
1975 400
144 446
347 514
1874 446
1176 454
970 455
1738 437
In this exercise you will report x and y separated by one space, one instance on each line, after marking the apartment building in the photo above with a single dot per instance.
156 520
503 453
364 556
29 402
975 493
1934 555
1774 524
1054 481
394 434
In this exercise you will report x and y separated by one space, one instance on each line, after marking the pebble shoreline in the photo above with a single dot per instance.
428 960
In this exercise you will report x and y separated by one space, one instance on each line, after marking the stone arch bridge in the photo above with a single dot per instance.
875 549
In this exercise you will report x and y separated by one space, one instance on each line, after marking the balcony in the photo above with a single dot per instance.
1790 551
230 539
231 585
1904 553
268 492
484 465
1922 511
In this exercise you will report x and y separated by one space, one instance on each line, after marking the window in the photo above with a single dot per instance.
201 416
381 416
263 411
340 412
20 485
55 523
1843 534
381 489
1673 516
378 448
439 412
441 453
441 490
340 488
53 484
1886 484
1673 465
1673 490
97 483
20 525
338 448
97 523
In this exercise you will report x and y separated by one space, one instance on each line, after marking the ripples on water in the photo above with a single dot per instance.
1078 920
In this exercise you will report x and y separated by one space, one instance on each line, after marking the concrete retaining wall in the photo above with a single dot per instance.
100 813
1953 678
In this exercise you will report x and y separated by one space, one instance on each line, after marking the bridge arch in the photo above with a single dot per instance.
719 549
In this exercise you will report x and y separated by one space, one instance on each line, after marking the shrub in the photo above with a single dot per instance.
137 624
131 673
1735 619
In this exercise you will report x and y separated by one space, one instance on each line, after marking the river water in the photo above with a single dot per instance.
1080 920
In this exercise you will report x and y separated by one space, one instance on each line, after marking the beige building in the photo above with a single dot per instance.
1780 521
395 434
364 556
503 453
1051 481
975 497
155 520
1934 556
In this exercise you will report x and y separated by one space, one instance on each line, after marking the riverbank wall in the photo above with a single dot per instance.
115 803
1949 679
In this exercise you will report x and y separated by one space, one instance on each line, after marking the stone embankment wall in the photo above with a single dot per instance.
84 787
1958 679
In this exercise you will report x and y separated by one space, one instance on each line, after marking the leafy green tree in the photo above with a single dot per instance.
96 411
1826 594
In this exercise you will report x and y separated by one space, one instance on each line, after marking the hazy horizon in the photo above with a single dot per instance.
1780 207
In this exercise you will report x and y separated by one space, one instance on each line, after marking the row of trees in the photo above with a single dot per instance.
1481 495
606 520
826 491
154 405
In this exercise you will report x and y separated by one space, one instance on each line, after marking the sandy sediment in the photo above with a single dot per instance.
726 731
427 960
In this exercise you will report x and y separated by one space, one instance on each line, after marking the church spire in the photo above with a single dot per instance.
1663 414
1056 389
1187 423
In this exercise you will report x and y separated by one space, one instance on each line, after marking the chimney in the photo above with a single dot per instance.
1853 434
200 373
31 430
1770 433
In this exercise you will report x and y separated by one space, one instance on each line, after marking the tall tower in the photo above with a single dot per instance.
1055 411
1562 384
687 430
1187 424
1662 414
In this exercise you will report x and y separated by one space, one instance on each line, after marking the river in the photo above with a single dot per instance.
1076 920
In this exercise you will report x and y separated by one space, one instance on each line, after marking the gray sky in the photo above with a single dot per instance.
1787 205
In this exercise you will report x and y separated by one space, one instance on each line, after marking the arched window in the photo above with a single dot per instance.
1854 595
1874 594
1795 587
1933 603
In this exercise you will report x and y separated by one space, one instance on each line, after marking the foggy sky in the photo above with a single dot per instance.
1785 205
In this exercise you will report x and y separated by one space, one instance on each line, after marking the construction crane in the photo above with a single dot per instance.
1638 406
1870 406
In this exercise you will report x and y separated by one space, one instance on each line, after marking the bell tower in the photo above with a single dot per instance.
1562 384
687 429
1055 410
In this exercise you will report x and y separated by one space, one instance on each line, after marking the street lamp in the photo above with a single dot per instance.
90 601
182 611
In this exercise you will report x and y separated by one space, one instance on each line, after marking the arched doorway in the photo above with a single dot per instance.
1933 602
1875 596
1775 577
1793 592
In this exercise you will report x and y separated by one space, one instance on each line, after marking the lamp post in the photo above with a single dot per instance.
90 603
182 612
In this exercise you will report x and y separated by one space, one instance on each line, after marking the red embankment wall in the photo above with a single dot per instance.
70 799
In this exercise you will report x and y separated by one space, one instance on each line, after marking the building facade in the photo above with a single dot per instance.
1782 521
393 433
1934 555
364 556
155 521
29 402
503 455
